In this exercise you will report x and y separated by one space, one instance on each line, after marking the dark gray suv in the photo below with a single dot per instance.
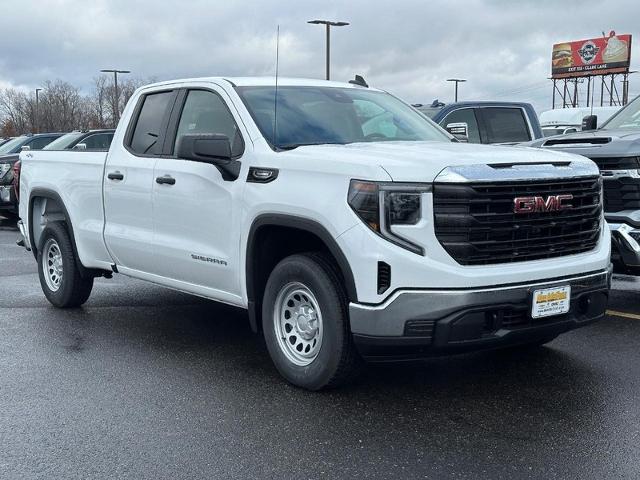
9 153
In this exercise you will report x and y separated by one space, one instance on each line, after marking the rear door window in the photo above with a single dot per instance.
505 125
148 132
464 115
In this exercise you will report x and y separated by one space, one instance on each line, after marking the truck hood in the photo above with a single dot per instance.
598 143
423 161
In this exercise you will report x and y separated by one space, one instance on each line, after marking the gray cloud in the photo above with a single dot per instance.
408 47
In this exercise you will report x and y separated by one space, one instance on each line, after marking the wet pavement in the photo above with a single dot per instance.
144 382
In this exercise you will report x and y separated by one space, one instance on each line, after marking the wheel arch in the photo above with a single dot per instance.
51 208
267 228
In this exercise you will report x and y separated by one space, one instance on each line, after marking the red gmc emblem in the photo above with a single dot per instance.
552 203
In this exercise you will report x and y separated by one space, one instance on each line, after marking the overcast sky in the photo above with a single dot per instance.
409 47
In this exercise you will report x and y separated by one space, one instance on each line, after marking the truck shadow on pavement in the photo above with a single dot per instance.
216 340
200 360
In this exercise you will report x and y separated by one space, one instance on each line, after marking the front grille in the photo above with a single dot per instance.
621 194
617 163
476 224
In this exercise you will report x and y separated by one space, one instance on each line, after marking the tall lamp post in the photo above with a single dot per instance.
37 119
457 80
116 106
328 24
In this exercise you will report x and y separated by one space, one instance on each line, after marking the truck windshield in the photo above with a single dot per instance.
333 115
11 145
64 141
627 119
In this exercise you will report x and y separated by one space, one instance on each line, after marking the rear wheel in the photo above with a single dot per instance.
305 323
58 269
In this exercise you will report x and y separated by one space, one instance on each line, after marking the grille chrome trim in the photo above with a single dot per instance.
518 172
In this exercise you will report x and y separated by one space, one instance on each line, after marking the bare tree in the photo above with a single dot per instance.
99 104
16 112
62 107
126 88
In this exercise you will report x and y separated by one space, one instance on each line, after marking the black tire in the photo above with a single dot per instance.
337 361
73 289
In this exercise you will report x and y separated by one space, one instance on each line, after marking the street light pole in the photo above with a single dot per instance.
457 80
328 24
37 120
116 106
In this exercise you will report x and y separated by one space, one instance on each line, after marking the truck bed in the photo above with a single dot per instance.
76 177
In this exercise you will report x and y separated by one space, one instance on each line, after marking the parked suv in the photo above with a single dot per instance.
343 222
83 140
615 147
486 122
8 156
78 140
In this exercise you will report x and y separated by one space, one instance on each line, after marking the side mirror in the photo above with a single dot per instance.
209 148
80 146
460 130
25 148
590 122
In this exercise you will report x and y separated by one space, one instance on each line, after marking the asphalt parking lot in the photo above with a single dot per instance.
145 382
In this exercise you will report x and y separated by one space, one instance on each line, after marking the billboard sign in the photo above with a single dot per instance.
594 56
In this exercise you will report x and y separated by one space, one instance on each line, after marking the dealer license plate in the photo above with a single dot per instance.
551 301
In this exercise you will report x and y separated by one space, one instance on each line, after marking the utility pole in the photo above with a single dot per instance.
36 127
457 80
116 105
328 25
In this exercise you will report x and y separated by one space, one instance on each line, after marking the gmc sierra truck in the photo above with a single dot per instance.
344 221
615 148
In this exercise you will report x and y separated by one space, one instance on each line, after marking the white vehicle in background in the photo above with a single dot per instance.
346 223
560 121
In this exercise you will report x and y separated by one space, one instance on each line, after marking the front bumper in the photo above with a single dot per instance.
419 323
625 245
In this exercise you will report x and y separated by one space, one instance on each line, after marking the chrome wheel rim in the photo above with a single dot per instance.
298 323
52 264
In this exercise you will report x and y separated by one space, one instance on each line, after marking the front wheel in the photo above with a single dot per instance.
60 277
305 323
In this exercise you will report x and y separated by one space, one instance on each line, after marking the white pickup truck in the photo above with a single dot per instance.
347 224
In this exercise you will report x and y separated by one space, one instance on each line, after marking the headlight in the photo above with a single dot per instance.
4 168
382 205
